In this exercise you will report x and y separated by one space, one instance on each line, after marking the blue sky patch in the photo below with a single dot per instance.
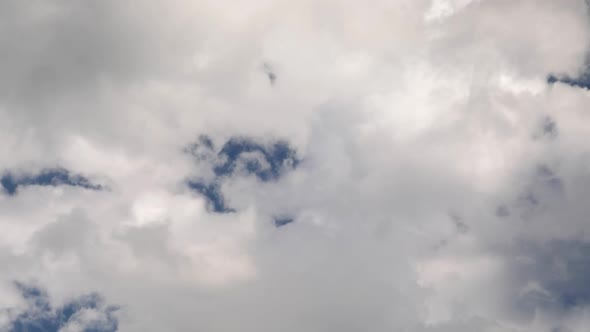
277 158
41 316
582 81
47 177
239 156
282 221
212 192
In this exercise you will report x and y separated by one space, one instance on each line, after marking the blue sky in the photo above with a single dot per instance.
86 312
47 177
240 157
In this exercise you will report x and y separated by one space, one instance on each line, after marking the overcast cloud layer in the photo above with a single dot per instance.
258 166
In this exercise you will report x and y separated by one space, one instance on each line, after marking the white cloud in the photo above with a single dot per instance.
414 122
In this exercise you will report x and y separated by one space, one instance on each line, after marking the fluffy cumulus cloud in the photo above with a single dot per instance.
408 165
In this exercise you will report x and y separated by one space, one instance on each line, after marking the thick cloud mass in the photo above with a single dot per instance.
408 165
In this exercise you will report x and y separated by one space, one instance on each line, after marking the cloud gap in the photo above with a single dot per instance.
239 156
48 177
42 316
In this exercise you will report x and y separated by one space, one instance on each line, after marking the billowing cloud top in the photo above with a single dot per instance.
403 165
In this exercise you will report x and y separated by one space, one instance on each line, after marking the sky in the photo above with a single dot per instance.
317 166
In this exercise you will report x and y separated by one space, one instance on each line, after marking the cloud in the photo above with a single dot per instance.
412 165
